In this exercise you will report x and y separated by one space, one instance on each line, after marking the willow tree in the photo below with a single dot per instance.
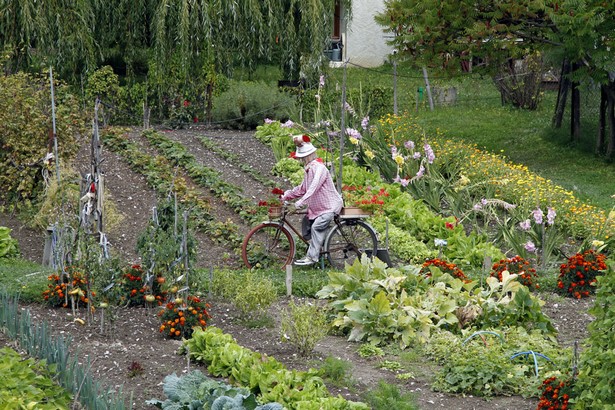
228 33
51 32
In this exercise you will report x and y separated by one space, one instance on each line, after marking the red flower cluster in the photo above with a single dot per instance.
578 275
364 197
555 394
179 318
57 288
275 200
516 265
444 266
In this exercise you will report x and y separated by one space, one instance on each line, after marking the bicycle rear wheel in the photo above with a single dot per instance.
348 241
268 245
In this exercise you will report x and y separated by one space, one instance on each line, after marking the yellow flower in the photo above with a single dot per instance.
399 160
596 243
369 154
354 140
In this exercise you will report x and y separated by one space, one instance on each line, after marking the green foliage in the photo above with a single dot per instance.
270 130
195 390
25 130
254 295
387 396
304 325
388 305
23 278
596 378
9 247
336 371
27 383
245 104
103 84
264 376
160 244
369 350
484 366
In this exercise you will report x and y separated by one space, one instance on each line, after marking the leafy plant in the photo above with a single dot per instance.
254 296
593 387
388 396
368 350
336 371
303 325
29 383
9 248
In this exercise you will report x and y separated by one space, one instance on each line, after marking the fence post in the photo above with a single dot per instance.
428 88
289 280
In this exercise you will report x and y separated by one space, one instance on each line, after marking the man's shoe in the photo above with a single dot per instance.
305 261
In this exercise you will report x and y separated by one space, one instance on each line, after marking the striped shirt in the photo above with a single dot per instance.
316 191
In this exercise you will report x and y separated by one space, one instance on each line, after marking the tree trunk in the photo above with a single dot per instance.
562 95
610 116
600 141
575 113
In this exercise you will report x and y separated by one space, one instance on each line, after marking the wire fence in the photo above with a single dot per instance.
405 90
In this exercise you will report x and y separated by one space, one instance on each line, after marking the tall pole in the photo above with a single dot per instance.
342 129
395 87
53 121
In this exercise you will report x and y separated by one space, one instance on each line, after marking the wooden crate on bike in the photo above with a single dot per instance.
354 212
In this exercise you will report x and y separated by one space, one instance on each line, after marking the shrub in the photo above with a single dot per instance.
594 385
254 295
516 265
578 275
245 104
9 247
303 326
25 127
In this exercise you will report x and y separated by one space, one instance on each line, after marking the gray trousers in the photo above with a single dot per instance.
317 230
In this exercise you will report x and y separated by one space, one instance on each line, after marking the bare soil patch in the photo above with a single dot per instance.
131 335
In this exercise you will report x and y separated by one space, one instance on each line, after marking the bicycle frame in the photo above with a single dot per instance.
285 222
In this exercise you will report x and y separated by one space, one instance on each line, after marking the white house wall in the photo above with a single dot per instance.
365 42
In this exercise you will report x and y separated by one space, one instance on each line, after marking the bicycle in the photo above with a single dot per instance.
271 244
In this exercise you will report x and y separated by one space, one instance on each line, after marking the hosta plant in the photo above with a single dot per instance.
179 318
516 265
578 275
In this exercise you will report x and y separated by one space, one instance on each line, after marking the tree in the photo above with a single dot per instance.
578 32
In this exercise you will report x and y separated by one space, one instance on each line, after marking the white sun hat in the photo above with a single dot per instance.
304 150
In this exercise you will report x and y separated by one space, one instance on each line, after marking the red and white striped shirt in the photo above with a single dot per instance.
316 191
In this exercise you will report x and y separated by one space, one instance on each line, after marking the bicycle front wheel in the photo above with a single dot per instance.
268 245
348 241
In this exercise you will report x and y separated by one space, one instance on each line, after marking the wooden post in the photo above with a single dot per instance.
428 89
342 130
289 280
